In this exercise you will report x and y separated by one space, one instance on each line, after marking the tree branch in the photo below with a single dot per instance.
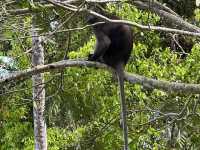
169 16
164 29
132 78
26 10
156 7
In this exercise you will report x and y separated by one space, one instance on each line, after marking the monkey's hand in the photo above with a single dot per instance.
91 57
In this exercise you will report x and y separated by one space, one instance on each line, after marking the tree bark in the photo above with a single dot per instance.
38 94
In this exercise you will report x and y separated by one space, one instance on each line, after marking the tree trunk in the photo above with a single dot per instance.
38 94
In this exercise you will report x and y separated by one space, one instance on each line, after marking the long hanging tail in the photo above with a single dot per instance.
120 75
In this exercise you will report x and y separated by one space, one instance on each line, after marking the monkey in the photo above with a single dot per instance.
114 43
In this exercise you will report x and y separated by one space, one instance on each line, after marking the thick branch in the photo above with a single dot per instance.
170 17
163 85
132 78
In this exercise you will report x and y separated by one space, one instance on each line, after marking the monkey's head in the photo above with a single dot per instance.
92 19
98 8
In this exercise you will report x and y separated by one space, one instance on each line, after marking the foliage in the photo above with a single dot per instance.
82 104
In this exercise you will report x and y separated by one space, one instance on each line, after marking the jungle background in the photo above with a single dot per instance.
82 108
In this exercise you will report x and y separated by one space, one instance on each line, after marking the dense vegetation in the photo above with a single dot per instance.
82 104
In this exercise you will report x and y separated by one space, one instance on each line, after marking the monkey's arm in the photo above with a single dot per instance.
102 44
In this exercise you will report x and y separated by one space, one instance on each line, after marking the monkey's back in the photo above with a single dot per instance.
119 51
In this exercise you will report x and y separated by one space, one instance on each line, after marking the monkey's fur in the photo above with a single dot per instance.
114 43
